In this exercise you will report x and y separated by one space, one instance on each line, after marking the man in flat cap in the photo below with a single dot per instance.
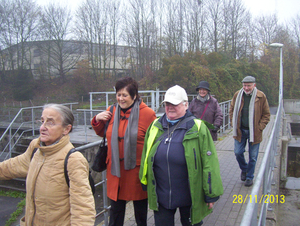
249 114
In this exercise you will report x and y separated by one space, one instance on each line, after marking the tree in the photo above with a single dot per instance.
60 55
235 17
19 25
265 29
214 8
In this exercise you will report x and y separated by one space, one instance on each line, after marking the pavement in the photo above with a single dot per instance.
225 212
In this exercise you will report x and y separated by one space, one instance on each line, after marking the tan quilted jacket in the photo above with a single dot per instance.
49 200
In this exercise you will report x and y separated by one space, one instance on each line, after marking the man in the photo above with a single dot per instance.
207 108
249 115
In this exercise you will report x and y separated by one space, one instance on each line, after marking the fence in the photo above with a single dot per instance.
264 177
153 99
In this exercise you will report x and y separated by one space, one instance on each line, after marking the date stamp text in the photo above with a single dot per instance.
255 199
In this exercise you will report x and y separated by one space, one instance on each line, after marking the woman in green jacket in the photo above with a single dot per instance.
179 164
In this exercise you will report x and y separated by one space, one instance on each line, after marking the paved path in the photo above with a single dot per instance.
225 212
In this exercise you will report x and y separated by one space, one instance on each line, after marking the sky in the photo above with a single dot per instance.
285 9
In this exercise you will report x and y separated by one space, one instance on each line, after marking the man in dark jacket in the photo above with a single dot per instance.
249 114
206 107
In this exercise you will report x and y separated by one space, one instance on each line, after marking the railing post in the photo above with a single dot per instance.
91 105
84 118
32 120
157 99
105 200
224 118
106 100
153 105
10 142
283 168
228 107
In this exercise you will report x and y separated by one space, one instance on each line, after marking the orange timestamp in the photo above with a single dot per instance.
255 199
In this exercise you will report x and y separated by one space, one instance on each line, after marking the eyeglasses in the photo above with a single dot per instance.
47 124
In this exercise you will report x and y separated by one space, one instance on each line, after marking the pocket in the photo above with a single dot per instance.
22 221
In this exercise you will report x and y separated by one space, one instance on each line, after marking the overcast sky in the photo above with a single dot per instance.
285 9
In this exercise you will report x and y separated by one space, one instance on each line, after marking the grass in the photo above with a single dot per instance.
20 206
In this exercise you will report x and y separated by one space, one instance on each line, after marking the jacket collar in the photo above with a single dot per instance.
51 149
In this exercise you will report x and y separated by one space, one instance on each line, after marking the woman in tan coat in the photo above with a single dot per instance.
49 200
125 139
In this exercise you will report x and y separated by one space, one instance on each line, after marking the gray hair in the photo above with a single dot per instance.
65 112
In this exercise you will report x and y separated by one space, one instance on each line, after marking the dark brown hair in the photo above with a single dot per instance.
130 85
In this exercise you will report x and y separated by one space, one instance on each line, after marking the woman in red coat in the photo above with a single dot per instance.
125 134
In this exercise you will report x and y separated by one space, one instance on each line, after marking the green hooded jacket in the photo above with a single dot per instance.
202 162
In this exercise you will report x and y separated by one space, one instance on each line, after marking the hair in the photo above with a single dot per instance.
65 113
130 85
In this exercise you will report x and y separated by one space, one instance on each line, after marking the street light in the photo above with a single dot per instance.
279 45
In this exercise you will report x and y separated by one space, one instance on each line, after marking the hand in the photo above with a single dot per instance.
103 116
215 129
210 205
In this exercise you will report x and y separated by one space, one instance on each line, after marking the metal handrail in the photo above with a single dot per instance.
264 177
106 207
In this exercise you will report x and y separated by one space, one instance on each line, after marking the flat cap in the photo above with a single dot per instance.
249 79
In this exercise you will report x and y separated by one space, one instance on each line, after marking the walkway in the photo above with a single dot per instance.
225 211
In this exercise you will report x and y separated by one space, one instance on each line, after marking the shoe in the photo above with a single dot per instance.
243 176
248 182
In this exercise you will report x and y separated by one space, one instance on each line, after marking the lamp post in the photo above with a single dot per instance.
279 45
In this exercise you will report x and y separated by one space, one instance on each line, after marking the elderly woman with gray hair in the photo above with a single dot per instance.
49 199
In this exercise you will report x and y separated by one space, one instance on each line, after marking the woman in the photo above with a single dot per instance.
179 164
205 107
49 200
125 139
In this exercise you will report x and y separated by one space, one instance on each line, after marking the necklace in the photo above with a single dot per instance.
169 138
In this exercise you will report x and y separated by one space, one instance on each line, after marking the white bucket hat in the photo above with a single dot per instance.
175 95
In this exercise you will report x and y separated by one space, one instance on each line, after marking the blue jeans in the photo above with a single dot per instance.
239 149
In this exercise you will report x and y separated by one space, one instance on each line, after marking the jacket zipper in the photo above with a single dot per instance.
169 177
195 158
209 182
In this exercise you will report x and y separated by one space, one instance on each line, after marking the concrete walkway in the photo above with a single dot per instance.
225 211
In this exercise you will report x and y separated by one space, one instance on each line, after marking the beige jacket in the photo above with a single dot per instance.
49 200
261 116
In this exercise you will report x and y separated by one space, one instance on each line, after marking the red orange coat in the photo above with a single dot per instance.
128 186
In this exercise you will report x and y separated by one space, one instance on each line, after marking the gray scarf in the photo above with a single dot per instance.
130 140
251 112
203 99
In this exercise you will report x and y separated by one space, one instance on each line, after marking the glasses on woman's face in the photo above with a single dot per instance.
47 124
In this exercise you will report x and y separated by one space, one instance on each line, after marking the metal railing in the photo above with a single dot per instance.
106 206
264 177
153 99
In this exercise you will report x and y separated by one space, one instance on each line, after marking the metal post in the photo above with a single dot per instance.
153 105
32 120
105 201
91 105
106 100
157 99
281 76
84 118
10 142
